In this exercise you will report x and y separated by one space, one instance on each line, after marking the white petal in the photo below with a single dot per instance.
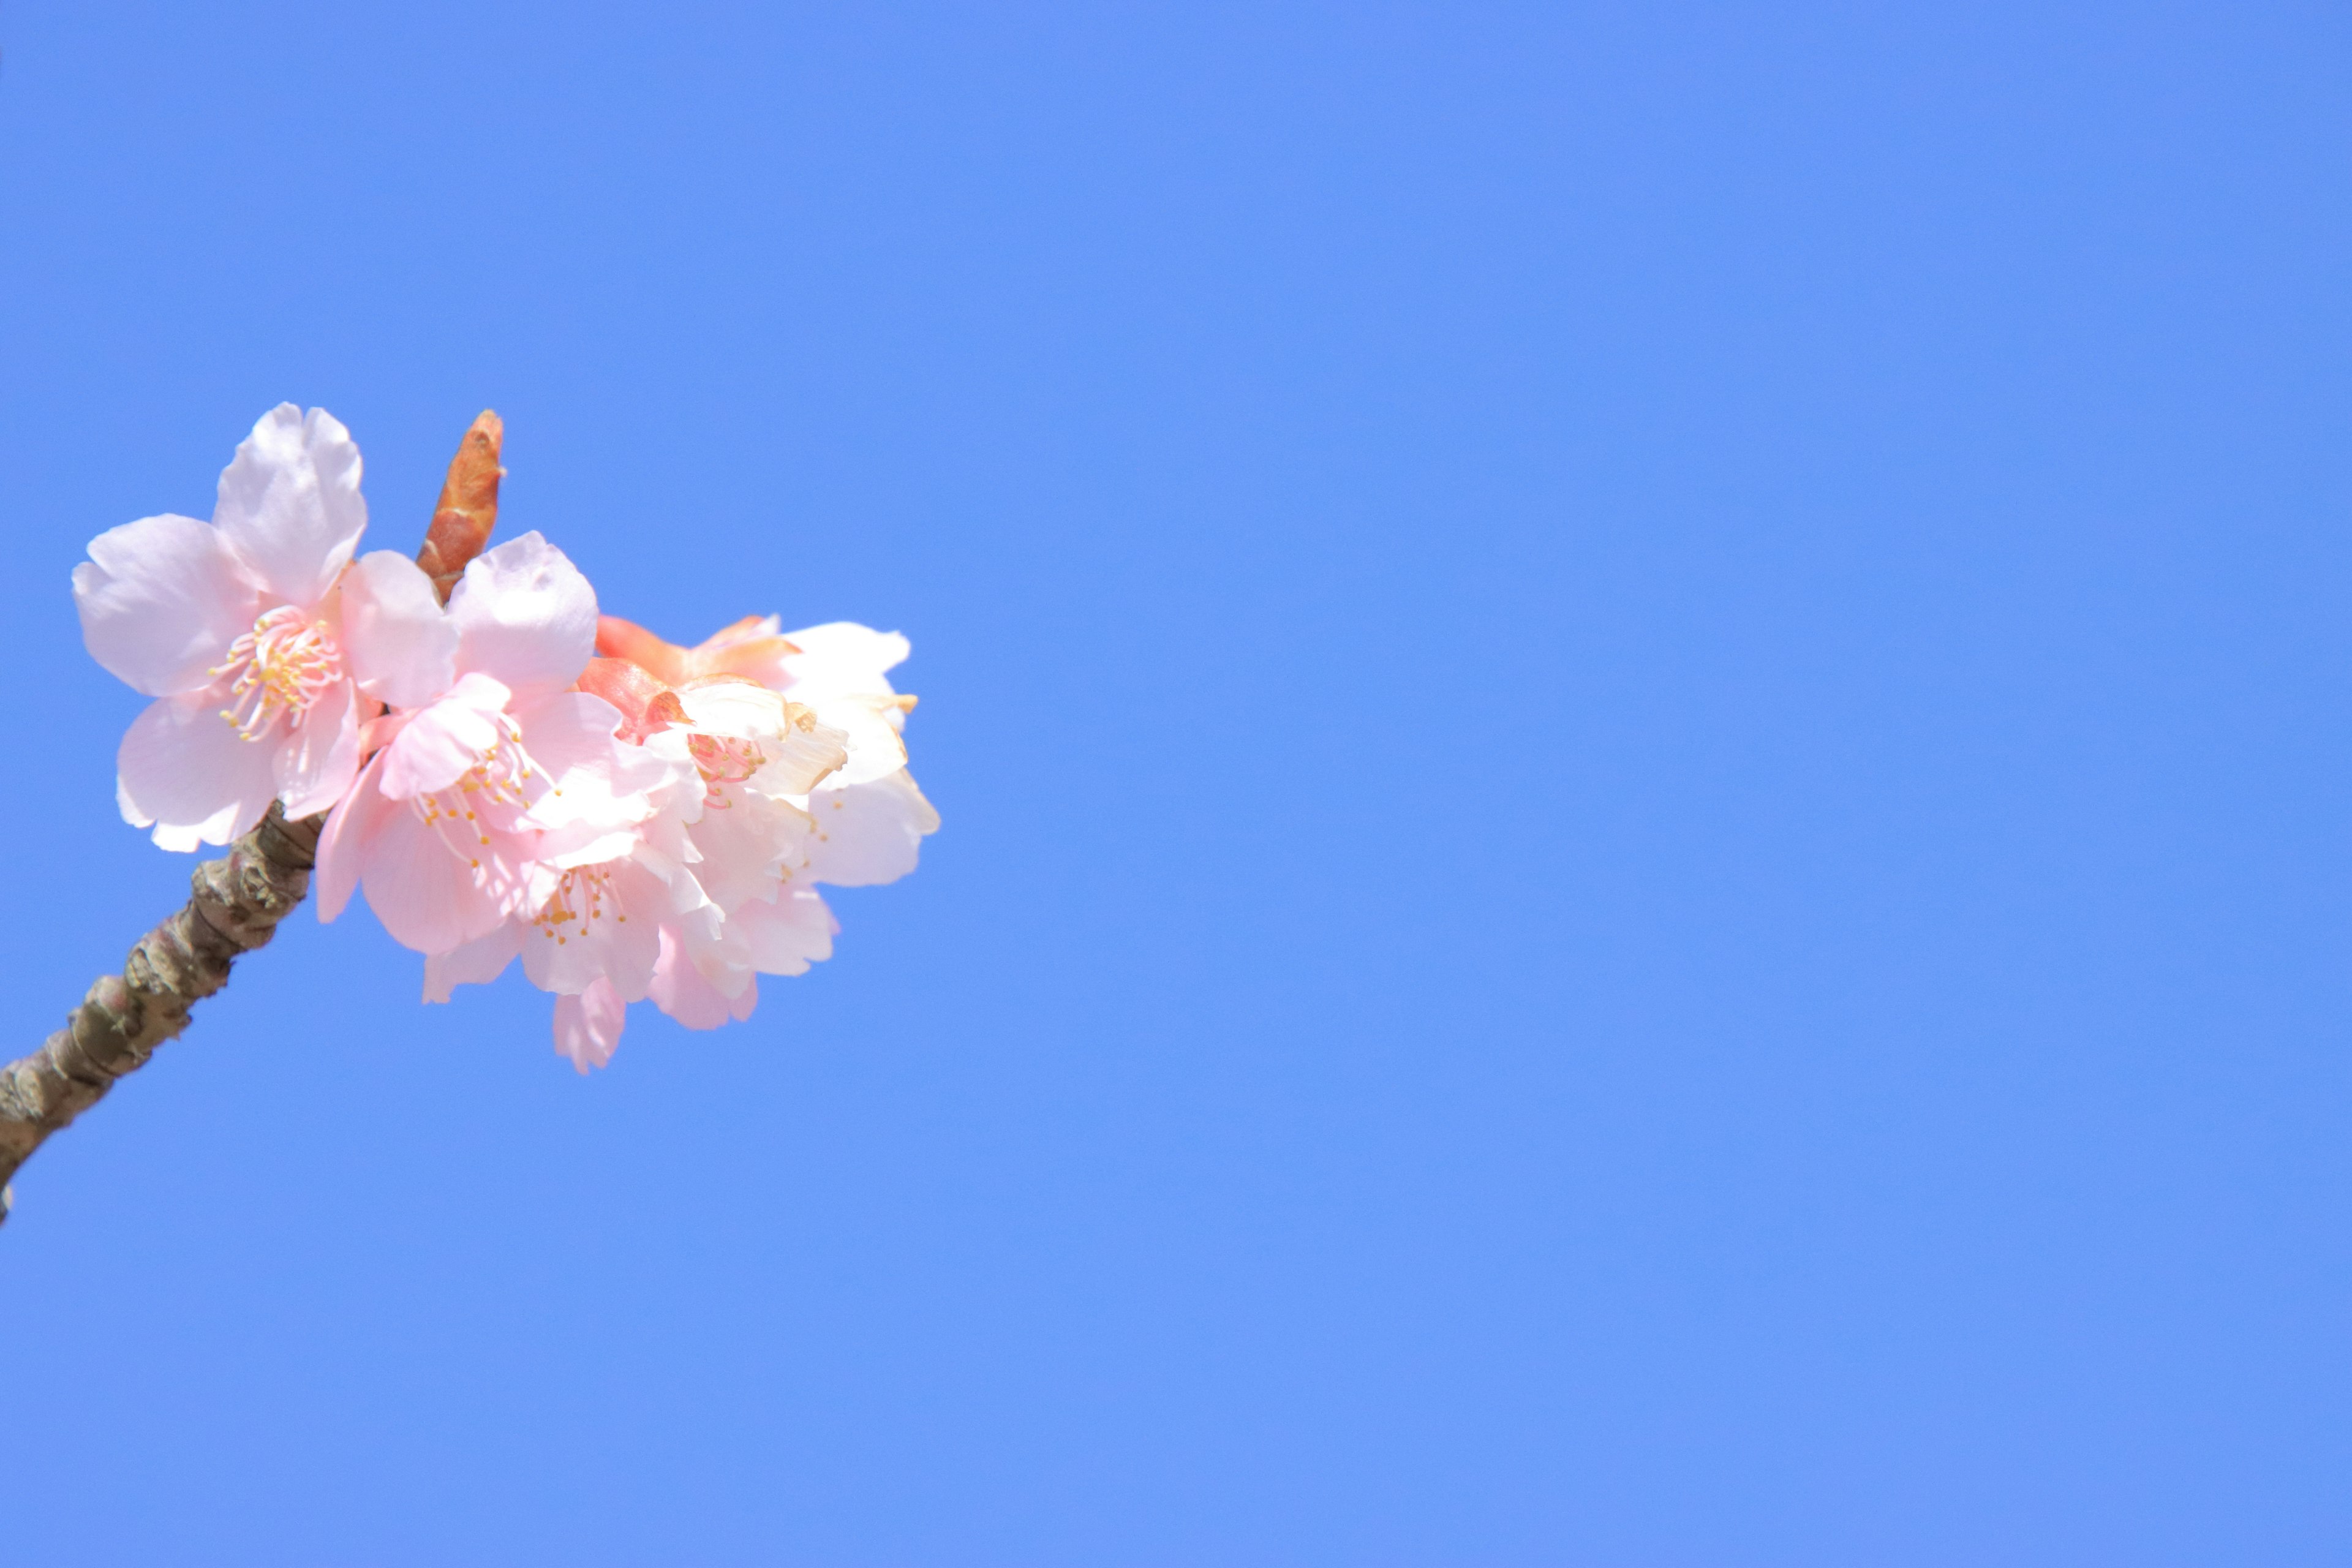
317 759
161 600
289 503
735 707
863 723
401 645
186 769
868 833
525 614
841 657
478 962
748 841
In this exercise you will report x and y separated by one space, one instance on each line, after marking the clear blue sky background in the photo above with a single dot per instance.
1641 717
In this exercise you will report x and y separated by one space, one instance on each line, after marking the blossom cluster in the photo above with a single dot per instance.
510 774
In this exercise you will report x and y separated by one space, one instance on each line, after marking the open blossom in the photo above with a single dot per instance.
767 835
266 655
478 794
504 777
701 883
868 817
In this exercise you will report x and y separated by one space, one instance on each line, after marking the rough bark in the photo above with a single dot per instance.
235 903
234 906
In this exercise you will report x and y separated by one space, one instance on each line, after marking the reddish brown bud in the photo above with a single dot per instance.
468 508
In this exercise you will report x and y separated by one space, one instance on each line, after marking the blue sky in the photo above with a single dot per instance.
1641 719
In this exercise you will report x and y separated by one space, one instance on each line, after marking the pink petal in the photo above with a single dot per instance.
401 646
317 759
161 600
588 1026
434 748
426 894
289 503
526 615
342 843
680 990
568 730
476 962
615 938
186 769
785 937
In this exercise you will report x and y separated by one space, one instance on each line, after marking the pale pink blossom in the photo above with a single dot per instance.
482 794
265 646
869 818
700 883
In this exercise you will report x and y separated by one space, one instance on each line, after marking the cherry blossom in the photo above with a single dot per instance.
507 776
690 912
470 798
869 818
265 654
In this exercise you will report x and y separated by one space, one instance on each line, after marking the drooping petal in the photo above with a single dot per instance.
478 962
316 760
400 644
289 503
526 615
748 841
869 833
588 1026
186 771
427 896
344 842
161 600
684 992
785 937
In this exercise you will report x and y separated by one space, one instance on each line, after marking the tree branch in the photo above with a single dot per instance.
234 906
235 903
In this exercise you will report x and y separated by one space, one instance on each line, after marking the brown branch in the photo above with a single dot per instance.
235 903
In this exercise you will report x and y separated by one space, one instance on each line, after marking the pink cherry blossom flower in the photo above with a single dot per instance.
266 647
480 795
700 884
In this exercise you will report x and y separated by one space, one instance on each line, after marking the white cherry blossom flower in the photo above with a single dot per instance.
868 817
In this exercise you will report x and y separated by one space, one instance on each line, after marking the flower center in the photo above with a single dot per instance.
724 760
285 664
584 897
497 783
